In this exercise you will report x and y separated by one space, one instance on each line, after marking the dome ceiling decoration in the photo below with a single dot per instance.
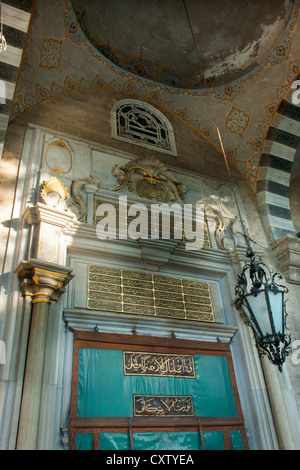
250 52
152 38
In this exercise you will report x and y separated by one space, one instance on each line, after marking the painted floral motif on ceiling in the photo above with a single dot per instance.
243 141
237 121
50 53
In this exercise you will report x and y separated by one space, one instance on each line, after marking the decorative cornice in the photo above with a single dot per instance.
109 322
43 213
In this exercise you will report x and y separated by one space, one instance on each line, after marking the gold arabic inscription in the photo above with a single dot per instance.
162 405
160 365
120 290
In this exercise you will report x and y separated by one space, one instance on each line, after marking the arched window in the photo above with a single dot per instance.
141 124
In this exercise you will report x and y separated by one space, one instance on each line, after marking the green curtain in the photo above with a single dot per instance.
104 390
84 441
236 440
151 440
213 440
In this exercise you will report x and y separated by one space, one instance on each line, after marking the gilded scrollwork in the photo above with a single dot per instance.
149 178
79 206
227 233
221 226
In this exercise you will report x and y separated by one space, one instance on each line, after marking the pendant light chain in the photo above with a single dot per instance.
249 249
271 341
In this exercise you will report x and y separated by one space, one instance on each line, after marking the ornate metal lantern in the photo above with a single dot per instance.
264 309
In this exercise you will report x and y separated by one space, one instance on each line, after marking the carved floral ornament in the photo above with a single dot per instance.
148 178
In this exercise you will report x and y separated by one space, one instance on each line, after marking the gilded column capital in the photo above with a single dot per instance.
43 281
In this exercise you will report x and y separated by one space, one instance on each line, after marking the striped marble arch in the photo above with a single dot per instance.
15 17
276 166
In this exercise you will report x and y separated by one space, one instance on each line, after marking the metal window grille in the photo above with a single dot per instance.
140 124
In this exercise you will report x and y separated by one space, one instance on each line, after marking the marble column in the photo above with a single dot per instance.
44 282
283 407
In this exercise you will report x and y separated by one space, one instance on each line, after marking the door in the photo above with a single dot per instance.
142 393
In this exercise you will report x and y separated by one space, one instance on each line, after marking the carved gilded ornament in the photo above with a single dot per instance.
79 207
58 157
149 178
146 176
54 193
43 285
220 225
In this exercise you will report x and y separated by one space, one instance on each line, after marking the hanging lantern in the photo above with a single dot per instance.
263 305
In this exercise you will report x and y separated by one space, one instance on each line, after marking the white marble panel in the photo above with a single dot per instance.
278 176
6 90
80 284
12 56
276 200
82 164
103 163
3 121
14 17
283 151
290 125
278 222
